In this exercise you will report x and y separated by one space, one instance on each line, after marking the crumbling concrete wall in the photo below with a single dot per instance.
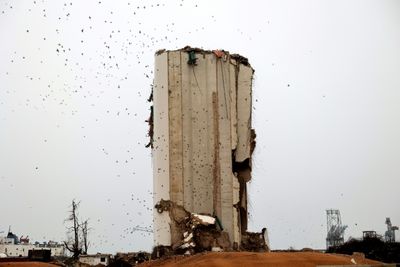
202 139
192 232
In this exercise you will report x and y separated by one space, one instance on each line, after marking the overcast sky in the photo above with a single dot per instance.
74 82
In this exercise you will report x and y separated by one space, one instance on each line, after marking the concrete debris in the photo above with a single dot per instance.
187 237
240 59
197 232
203 219
161 252
255 242
129 259
216 249
208 237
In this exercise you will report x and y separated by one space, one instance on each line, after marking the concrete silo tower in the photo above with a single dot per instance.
202 141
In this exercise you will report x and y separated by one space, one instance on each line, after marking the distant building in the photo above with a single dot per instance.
16 250
12 246
5 240
96 259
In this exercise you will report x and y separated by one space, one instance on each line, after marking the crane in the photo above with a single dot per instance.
390 236
335 235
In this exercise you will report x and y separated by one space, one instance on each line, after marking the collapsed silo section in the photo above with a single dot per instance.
202 142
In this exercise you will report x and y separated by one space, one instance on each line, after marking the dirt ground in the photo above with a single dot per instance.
27 264
271 259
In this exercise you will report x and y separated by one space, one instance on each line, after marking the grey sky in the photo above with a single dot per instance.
326 112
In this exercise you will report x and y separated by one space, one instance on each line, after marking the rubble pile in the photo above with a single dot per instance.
129 259
200 232
195 232
254 241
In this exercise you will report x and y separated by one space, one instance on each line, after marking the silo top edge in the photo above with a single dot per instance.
218 53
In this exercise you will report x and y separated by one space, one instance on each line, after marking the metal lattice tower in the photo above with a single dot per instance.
335 234
390 233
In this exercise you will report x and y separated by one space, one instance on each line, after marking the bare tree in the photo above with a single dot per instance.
73 245
85 242
77 242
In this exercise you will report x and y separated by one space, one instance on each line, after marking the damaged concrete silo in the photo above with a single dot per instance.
202 143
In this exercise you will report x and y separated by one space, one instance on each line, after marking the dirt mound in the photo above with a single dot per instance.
275 259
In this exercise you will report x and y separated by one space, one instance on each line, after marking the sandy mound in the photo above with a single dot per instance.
272 259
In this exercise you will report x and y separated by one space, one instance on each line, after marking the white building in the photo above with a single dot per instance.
21 250
5 240
94 260
16 250
12 246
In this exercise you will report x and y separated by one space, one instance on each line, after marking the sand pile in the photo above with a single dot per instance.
272 259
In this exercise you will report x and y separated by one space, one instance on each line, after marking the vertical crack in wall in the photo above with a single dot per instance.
216 164
242 171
